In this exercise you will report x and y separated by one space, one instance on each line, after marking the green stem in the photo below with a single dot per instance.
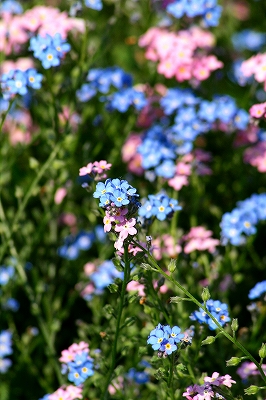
5 114
170 378
26 198
189 295
118 323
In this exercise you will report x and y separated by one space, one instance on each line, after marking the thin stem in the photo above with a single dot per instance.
26 198
118 323
170 378
188 294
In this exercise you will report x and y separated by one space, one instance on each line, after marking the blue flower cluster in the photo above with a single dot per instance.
11 6
18 82
103 80
165 339
103 277
79 369
6 274
49 49
137 376
94 4
5 350
218 310
257 290
209 10
116 192
243 219
192 116
160 206
248 39
73 244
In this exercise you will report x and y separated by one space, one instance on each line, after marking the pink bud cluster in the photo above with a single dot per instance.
183 55
115 219
68 393
208 389
96 169
15 30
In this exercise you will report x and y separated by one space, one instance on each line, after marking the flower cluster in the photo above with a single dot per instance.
119 199
243 219
218 310
100 277
165 339
209 388
103 80
5 350
74 243
77 363
18 82
18 29
200 239
257 291
192 116
11 6
248 39
159 206
96 169
49 49
210 11
248 369
182 55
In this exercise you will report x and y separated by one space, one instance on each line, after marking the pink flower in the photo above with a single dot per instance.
178 181
215 379
199 239
126 228
74 392
134 285
258 110
227 380
70 353
86 170
89 268
60 394
101 166
59 195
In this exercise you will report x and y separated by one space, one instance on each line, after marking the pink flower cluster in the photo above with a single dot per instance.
19 127
199 238
96 169
182 55
195 160
256 156
70 353
115 219
69 393
15 30
207 390
165 245
130 155
249 369
256 65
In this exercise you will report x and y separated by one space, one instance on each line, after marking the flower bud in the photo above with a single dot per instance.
176 299
113 288
205 295
262 351
252 390
172 266
147 267
234 324
233 361
208 340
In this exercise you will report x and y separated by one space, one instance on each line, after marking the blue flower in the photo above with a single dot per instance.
257 290
160 206
5 344
94 4
6 273
33 78
11 6
49 49
80 368
218 310
5 364
165 339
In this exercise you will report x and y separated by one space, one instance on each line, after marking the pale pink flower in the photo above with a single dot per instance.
119 214
115 385
183 168
215 379
130 146
60 194
178 181
68 219
100 166
107 222
127 228
89 268
70 353
88 290
86 170
74 392
227 380
136 286
60 394
118 245
199 239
